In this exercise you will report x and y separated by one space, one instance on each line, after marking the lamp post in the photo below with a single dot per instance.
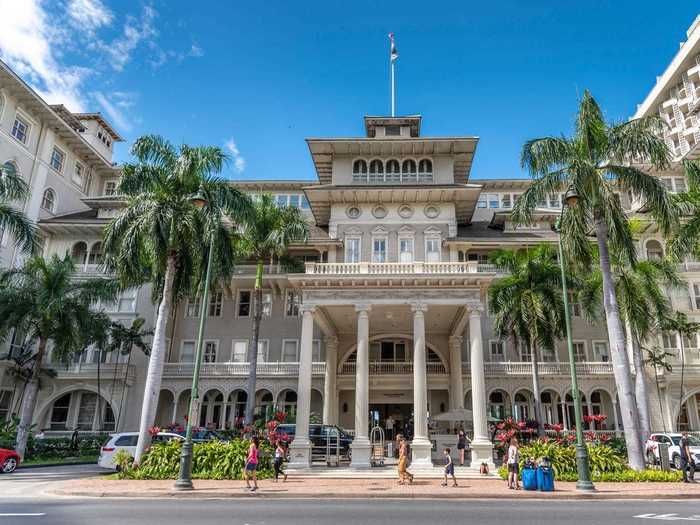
184 480
584 482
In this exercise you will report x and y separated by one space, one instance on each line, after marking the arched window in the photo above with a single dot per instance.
393 171
48 201
522 407
359 171
235 411
79 253
95 253
425 166
655 251
289 404
9 167
497 405
376 171
408 170
59 413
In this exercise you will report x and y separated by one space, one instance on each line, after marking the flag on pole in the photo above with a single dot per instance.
393 53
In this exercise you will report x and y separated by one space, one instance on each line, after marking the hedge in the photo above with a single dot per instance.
627 475
211 460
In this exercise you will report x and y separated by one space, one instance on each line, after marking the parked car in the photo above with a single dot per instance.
127 441
201 436
674 450
318 435
9 460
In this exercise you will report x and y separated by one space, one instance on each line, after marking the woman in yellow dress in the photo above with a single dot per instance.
404 474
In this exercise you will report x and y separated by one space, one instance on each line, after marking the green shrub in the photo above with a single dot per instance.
601 457
211 460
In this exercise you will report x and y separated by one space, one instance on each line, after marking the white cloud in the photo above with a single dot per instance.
196 51
136 30
89 15
114 114
238 160
27 45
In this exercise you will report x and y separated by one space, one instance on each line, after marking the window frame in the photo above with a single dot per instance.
296 304
595 355
296 350
192 308
346 250
383 238
27 122
585 350
502 344
182 347
80 165
430 238
54 201
64 158
215 342
233 350
216 300
406 237
238 303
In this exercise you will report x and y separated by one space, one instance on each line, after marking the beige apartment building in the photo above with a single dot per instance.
387 313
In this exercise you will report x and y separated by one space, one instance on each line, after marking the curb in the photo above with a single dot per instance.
47 465
330 495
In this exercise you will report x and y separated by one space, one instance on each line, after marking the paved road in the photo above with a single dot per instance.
337 512
31 482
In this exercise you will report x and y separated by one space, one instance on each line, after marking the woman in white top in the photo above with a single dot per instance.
513 459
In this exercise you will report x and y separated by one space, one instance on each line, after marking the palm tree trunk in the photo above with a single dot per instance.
621 366
155 363
534 352
253 348
99 392
658 394
641 391
29 402
680 400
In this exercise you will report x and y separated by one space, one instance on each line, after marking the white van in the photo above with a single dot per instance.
127 441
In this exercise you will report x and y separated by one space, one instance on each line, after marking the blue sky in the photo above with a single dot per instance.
259 77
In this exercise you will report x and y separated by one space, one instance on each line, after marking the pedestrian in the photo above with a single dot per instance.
449 468
513 459
280 454
251 464
687 461
404 474
461 445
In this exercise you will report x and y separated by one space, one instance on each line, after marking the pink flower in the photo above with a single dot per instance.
153 431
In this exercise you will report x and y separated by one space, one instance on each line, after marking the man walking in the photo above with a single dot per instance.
687 461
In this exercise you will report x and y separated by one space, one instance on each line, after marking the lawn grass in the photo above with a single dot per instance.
35 462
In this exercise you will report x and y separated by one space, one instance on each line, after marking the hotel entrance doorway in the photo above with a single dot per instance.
394 418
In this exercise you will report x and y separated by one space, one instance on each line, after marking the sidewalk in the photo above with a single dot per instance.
301 487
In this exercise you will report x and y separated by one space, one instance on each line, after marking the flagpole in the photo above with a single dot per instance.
393 91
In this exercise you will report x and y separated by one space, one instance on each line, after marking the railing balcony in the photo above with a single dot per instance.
250 269
89 371
383 369
519 368
400 268
239 369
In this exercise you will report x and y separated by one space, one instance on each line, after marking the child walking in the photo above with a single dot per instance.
251 465
449 468
280 453
513 464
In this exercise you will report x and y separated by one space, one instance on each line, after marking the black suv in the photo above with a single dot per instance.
318 435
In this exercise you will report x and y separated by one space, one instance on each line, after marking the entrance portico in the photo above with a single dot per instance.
352 322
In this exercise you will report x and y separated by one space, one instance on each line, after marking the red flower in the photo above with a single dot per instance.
280 416
153 431
272 425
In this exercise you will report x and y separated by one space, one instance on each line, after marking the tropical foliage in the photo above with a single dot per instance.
176 209
595 165
267 234
12 220
45 302
527 305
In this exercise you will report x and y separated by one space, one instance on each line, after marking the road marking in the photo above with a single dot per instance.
23 514
669 517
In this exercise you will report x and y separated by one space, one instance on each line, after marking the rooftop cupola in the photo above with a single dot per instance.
393 127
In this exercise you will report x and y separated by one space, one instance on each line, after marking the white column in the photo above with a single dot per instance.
482 448
300 450
421 446
360 444
330 391
456 385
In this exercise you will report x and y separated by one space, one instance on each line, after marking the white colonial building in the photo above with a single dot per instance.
386 314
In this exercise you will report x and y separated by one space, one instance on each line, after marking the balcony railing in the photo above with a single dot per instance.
399 268
89 371
380 369
518 368
239 369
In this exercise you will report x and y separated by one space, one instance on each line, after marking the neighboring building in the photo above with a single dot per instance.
395 273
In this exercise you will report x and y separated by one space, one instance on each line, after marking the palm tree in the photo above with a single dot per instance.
685 240
175 210
13 187
528 306
686 329
658 358
642 302
125 339
268 233
595 164
45 301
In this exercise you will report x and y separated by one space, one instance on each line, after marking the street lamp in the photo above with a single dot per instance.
584 482
184 480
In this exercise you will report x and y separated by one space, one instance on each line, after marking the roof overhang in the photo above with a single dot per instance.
500 218
460 148
100 119
28 99
321 198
